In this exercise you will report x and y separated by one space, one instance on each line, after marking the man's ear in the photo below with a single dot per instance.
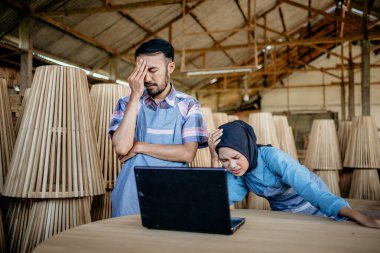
171 67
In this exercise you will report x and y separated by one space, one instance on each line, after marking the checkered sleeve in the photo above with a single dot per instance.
117 115
194 128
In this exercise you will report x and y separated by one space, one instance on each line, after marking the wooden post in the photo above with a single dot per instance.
26 56
113 68
351 85
342 86
365 65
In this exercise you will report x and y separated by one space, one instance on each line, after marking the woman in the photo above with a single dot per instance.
274 175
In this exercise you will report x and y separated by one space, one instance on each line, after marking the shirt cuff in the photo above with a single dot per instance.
202 140
336 208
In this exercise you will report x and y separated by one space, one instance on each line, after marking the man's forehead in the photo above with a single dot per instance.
152 57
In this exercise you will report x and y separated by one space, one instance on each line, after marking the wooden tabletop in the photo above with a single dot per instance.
264 231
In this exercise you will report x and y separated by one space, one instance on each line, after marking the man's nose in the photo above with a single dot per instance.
147 78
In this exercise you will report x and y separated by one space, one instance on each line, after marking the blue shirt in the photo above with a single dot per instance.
286 184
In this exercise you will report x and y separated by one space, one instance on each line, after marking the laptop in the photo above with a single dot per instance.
185 199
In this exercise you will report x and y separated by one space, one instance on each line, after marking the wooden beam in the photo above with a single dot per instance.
114 8
326 40
290 86
366 105
212 38
320 12
282 19
27 56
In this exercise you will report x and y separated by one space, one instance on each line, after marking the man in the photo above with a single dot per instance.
158 126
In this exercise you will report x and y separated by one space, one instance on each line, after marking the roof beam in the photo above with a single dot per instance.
210 35
320 12
114 8
327 40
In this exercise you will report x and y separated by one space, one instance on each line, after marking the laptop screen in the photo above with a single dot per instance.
189 199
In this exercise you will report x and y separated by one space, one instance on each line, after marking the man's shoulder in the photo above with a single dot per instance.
186 98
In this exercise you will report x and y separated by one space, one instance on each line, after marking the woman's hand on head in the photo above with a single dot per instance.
213 140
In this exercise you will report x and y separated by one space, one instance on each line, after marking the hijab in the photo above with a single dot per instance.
240 136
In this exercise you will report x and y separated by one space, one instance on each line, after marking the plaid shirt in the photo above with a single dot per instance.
193 126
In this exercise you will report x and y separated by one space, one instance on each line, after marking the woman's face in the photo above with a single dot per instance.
233 161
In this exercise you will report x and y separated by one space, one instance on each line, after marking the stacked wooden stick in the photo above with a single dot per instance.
23 105
55 163
345 176
203 157
7 140
285 136
323 155
264 127
7 133
363 156
104 97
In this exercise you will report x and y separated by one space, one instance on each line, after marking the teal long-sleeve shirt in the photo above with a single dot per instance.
287 185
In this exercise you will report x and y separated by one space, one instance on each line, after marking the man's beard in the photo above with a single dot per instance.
154 93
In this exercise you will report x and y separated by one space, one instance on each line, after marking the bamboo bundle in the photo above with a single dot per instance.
292 144
257 202
363 155
220 118
2 235
365 184
23 104
363 147
30 222
203 157
7 134
101 207
343 135
232 118
55 153
285 135
323 150
103 98
331 178
263 125
323 154
346 174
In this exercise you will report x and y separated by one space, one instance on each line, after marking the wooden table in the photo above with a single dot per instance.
264 231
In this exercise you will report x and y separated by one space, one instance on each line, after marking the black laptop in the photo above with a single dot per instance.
185 199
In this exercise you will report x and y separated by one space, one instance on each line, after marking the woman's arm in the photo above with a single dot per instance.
360 218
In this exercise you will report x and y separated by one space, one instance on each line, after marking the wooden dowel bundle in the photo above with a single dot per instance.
232 118
7 133
104 97
30 222
55 162
264 127
203 157
22 109
363 155
220 118
285 135
323 155
346 173
55 153
323 150
344 131
101 207
2 234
